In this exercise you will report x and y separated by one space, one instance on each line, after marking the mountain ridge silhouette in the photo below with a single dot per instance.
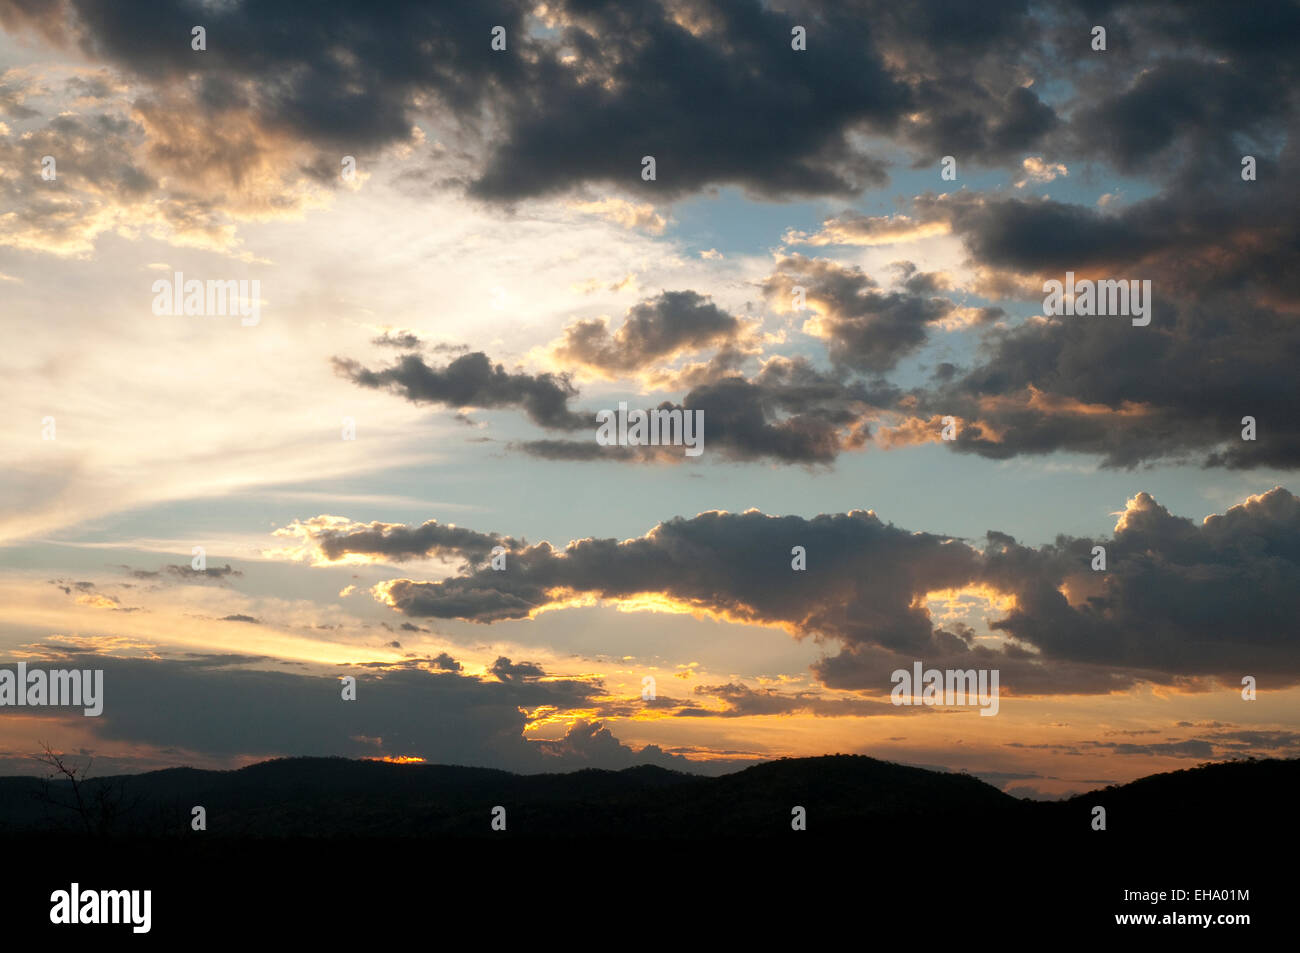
843 796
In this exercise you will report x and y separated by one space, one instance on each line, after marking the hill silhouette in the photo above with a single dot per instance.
844 796
337 842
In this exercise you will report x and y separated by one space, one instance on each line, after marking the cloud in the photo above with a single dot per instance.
743 702
446 663
1178 604
624 213
735 566
147 166
789 412
1223 305
221 708
572 99
853 228
187 574
1038 171
654 331
324 539
406 340
1216 744
508 671
592 745
865 329
571 105
471 380
1193 92
1182 598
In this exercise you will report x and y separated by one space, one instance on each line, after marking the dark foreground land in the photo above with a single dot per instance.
307 845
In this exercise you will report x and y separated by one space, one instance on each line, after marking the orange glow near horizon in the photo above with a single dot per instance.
399 759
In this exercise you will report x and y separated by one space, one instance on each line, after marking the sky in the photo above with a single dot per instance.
380 459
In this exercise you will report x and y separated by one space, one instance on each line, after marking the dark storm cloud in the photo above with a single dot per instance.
225 712
1194 90
1043 235
862 587
1225 291
631 84
1180 597
866 667
343 76
1179 601
939 77
473 381
612 82
712 89
654 330
1178 233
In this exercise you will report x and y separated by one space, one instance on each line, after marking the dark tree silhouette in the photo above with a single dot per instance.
100 805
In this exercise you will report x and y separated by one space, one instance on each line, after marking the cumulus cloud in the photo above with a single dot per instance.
592 745
1178 597
865 328
1224 296
654 331
1179 602
572 103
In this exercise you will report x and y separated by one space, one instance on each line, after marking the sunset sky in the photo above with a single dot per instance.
497 270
